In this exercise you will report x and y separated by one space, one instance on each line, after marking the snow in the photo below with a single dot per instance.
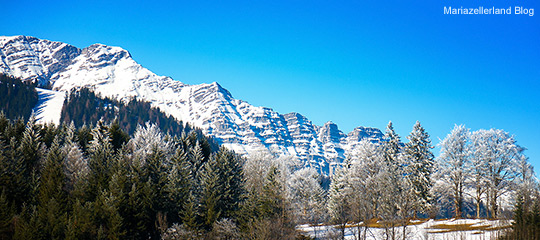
110 71
49 106
433 229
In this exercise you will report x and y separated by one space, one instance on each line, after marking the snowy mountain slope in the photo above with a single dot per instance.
32 58
49 106
236 124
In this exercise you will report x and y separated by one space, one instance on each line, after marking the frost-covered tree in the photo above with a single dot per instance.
499 155
146 140
75 165
392 146
307 195
338 201
527 187
366 177
419 162
453 167
255 168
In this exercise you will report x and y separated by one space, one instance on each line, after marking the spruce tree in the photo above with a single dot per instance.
30 153
27 225
75 165
52 197
231 182
210 192
392 146
7 212
420 161
338 206
178 185
101 153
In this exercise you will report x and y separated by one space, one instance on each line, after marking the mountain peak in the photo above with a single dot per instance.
237 125
101 52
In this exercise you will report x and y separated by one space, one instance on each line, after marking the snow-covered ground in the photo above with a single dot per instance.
475 229
49 106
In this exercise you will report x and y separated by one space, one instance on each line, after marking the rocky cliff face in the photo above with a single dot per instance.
236 124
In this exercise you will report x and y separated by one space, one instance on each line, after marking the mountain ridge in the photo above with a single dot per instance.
244 128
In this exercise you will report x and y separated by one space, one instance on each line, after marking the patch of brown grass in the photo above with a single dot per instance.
376 223
443 228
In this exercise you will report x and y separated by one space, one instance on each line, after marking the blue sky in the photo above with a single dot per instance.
354 63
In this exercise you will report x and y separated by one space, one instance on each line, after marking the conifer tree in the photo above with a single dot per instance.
26 224
231 183
189 213
75 165
338 202
29 151
7 212
392 146
210 192
178 185
52 197
420 161
100 150
118 136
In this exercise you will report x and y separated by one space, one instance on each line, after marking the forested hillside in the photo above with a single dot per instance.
85 107
74 183
16 98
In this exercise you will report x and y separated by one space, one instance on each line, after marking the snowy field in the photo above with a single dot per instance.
49 106
475 229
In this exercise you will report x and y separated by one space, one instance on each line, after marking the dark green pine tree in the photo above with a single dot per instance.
138 218
7 211
210 193
99 162
178 185
4 124
13 174
519 224
156 175
26 224
84 137
80 225
272 205
52 197
197 160
118 136
231 183
420 161
30 152
107 206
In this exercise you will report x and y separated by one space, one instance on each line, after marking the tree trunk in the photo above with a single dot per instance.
478 208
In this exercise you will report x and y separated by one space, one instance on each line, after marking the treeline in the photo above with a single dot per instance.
76 183
16 97
83 106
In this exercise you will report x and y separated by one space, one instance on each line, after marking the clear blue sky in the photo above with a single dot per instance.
354 63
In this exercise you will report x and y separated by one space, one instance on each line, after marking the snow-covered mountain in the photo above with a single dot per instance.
236 124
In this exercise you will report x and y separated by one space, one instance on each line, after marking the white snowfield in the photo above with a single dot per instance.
49 106
453 229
